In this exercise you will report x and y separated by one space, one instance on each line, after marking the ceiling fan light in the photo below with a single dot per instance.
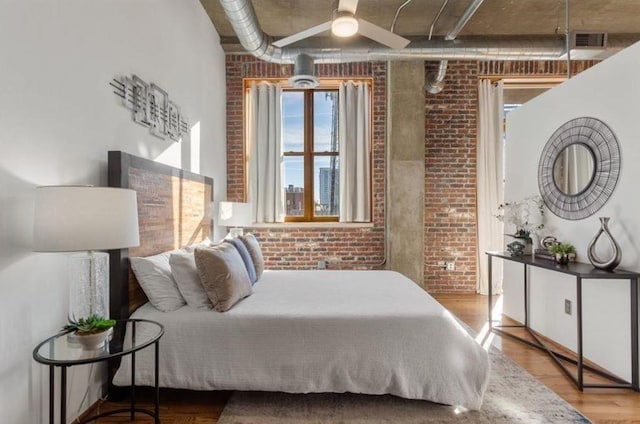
344 26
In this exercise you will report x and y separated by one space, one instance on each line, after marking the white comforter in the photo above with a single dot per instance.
371 332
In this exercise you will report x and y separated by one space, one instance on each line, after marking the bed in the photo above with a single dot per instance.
372 332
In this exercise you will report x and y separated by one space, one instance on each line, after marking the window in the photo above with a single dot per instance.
296 171
310 150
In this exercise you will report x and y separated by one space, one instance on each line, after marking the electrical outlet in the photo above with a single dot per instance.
322 264
567 306
451 266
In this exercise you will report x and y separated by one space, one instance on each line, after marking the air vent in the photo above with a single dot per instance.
587 45
586 39
303 81
303 73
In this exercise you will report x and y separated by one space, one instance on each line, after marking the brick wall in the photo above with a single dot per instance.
450 166
303 247
450 180
450 171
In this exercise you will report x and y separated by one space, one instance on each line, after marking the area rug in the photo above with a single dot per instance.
513 396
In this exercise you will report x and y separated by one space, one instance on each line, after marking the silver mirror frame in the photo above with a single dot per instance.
603 144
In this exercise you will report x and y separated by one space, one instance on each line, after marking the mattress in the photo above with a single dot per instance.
371 332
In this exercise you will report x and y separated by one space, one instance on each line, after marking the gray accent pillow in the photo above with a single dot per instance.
185 273
253 247
223 275
246 258
154 276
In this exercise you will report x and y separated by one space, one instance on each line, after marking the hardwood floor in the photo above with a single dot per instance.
599 405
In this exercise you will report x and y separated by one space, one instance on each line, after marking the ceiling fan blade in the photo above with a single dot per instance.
381 35
348 6
303 34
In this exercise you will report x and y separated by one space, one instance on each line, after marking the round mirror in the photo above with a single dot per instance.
579 168
574 169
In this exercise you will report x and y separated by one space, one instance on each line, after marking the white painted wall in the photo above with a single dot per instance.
610 92
58 119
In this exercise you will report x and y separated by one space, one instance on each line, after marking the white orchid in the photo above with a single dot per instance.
526 215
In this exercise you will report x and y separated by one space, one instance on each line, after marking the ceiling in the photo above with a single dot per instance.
280 18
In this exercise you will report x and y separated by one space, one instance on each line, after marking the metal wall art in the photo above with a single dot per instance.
151 107
579 168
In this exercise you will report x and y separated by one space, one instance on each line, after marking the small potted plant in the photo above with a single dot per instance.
90 332
562 252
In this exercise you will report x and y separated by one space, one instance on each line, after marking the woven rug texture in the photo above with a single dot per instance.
513 396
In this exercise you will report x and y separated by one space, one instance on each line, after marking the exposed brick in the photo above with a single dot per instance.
300 247
450 170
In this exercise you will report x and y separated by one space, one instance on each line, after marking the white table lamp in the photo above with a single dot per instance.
86 218
235 215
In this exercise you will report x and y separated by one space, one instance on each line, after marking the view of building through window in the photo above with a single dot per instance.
311 164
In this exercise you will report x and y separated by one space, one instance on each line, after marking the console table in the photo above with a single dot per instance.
580 271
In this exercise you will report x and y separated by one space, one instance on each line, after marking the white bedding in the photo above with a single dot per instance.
372 332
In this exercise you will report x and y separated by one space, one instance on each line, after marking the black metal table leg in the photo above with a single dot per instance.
579 329
157 382
133 386
526 298
52 393
133 373
63 394
634 335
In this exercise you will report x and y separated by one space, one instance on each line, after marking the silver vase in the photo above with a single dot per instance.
616 257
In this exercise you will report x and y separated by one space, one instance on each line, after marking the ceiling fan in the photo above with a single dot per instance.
345 24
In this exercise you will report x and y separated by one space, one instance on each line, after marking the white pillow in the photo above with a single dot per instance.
154 275
185 273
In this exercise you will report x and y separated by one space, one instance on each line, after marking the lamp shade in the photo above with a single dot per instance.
77 218
234 214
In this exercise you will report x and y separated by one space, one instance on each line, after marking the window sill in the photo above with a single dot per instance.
314 225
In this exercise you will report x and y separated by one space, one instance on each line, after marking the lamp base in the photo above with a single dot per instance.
235 232
89 285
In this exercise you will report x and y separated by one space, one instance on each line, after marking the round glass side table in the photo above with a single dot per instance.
64 351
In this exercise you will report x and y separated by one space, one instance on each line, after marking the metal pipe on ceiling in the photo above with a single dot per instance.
435 80
462 21
395 18
242 17
437 17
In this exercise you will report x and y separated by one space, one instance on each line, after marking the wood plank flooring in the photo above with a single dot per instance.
600 405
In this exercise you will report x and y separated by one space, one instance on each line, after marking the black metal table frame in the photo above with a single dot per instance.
132 410
557 356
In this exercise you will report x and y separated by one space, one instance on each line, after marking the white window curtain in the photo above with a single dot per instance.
490 189
264 149
354 152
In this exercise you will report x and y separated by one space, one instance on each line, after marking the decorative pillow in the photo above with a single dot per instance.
246 258
253 247
223 275
154 275
185 274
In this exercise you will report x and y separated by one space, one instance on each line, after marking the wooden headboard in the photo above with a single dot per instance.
174 210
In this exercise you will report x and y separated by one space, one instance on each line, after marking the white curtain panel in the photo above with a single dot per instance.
354 159
489 181
264 149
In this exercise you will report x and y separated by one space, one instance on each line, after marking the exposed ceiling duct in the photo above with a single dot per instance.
435 80
243 19
303 76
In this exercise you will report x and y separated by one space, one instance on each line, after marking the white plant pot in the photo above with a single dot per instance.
92 341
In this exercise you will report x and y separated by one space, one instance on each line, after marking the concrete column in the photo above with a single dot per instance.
405 168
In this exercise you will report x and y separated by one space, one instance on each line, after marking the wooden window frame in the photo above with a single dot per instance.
326 84
309 155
